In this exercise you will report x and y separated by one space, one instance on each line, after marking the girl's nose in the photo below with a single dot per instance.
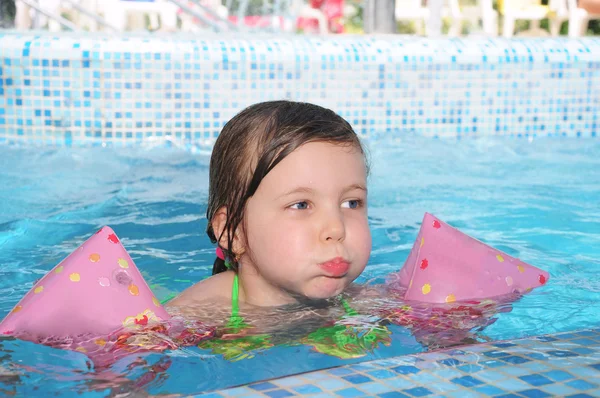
333 228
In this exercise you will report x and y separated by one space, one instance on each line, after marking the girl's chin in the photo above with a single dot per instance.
325 287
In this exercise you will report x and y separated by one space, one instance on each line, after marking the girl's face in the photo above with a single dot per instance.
306 226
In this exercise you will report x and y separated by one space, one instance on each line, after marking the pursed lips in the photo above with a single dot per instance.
336 267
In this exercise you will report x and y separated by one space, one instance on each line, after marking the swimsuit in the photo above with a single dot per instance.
336 339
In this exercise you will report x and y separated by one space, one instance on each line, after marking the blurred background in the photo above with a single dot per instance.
431 18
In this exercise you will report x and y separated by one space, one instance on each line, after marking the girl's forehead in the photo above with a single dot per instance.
320 163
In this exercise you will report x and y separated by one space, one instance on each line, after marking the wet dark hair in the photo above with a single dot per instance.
250 145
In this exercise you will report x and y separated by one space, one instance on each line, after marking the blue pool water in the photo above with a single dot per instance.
536 200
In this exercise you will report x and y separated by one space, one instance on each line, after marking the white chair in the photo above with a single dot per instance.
412 10
482 10
117 11
533 11
581 14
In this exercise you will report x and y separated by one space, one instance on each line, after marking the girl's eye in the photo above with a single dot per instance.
352 204
300 206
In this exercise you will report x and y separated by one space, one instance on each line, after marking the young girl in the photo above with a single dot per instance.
287 208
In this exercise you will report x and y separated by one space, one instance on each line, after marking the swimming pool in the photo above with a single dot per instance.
535 200
103 130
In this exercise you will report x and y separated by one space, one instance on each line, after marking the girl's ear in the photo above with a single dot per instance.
218 223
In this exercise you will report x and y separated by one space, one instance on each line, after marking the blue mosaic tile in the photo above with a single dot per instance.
581 384
447 373
558 390
470 368
341 371
307 389
512 384
584 342
503 345
517 371
444 387
536 380
514 359
558 375
263 386
382 374
562 353
350 393
492 364
463 394
534 393
234 392
278 393
375 388
357 379
393 394
449 362
399 383
489 390
417 392
496 354
290 381
536 366
583 350
331 384
467 381
403 369
491 375
595 366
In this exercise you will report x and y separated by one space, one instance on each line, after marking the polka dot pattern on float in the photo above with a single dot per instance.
426 289
443 268
134 290
98 299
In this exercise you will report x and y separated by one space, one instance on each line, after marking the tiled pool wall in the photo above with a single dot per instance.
92 90
563 365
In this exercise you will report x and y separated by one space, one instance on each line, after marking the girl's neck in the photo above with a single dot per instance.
255 290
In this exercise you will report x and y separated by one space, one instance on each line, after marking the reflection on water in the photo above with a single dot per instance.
137 362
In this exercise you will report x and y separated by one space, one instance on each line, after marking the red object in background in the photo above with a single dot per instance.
334 12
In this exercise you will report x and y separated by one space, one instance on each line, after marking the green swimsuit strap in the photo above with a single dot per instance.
235 320
349 310
235 296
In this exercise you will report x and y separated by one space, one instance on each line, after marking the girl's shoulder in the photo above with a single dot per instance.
214 288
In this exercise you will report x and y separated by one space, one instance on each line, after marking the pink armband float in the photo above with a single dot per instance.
446 265
97 302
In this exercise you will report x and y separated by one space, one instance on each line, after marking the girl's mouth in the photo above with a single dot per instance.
335 267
